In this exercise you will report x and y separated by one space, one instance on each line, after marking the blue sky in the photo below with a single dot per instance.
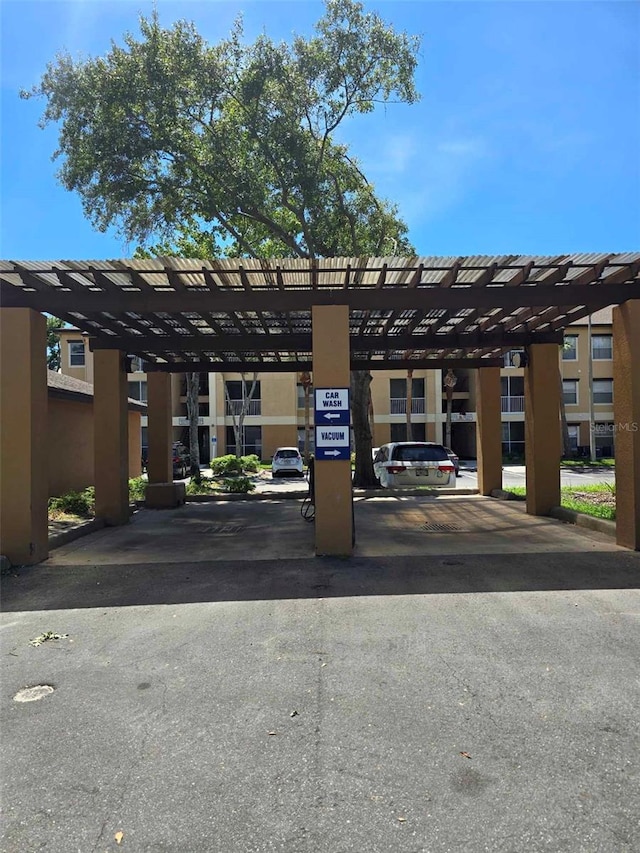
527 137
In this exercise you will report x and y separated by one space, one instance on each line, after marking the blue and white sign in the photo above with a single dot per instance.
332 442
332 406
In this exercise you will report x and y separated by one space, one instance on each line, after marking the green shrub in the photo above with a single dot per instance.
204 487
240 485
225 465
75 503
137 488
250 463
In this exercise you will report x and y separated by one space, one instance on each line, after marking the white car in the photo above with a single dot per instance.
404 464
287 461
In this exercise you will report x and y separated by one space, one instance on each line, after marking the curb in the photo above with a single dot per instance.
506 495
600 525
66 536
411 493
234 496
357 493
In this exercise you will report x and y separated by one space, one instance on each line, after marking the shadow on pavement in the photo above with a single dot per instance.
60 587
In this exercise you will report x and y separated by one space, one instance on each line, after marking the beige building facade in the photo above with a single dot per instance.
276 412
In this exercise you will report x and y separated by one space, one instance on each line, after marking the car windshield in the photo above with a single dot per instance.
287 454
419 453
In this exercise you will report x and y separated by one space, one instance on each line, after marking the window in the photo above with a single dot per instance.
419 453
601 347
512 393
137 391
76 353
398 388
398 396
603 390
574 435
137 364
570 392
604 439
513 438
570 348
251 440
238 394
399 432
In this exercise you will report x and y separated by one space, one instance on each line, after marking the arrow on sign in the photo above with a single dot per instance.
332 453
331 416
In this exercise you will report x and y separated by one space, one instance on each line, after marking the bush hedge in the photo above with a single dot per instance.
240 485
75 503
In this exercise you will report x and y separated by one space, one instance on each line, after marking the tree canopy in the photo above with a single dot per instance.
232 148
54 325
231 140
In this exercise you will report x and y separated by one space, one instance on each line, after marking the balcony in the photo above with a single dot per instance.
399 405
512 404
234 407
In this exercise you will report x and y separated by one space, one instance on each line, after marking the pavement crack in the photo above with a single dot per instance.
99 838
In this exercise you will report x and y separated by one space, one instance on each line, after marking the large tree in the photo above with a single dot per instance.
233 147
54 325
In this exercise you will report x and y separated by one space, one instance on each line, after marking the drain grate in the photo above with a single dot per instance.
440 528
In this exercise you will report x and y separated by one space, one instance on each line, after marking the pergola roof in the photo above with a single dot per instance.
236 314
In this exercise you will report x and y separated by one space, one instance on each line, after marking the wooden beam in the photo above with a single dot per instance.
306 365
302 342
363 298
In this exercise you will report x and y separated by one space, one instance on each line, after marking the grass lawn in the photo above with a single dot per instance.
598 500
587 463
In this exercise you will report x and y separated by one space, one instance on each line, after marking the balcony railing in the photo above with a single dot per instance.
234 407
512 404
399 405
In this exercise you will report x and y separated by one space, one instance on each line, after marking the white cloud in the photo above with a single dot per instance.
426 175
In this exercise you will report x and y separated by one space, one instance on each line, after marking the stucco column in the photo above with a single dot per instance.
111 440
543 445
24 486
333 493
626 415
159 429
489 430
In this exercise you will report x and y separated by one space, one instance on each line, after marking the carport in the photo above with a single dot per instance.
330 317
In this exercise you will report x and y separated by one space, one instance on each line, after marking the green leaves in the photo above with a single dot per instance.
232 145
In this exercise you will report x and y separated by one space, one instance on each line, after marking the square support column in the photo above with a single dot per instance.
626 415
333 489
111 439
161 491
489 430
159 429
24 486
543 444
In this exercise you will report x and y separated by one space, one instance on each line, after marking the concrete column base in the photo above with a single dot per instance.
165 495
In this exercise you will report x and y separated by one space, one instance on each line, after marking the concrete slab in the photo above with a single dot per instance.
274 530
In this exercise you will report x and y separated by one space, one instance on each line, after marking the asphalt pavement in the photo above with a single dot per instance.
220 690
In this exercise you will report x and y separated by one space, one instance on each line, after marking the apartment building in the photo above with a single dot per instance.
275 414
